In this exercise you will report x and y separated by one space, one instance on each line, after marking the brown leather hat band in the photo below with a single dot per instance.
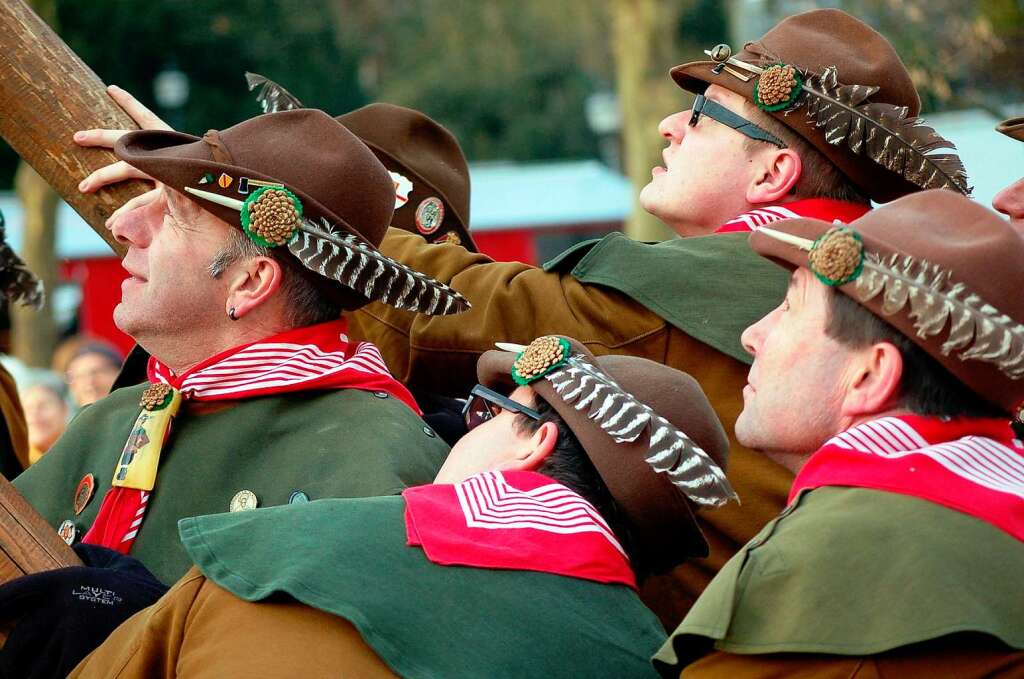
217 148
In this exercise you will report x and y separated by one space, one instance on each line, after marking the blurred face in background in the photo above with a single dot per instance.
90 377
46 415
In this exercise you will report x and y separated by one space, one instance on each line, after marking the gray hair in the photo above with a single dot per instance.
306 302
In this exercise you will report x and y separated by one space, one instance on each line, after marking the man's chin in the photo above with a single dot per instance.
124 319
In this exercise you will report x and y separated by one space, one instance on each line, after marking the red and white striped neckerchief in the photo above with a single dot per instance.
972 465
516 521
317 357
825 209
305 359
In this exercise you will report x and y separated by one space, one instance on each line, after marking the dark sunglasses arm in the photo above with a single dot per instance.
715 111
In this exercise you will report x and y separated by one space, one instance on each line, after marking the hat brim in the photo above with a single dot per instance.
657 511
1012 128
873 180
177 159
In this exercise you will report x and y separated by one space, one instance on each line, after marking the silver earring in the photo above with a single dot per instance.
231 314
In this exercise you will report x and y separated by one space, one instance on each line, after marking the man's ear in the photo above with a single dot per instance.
252 283
875 380
776 172
535 450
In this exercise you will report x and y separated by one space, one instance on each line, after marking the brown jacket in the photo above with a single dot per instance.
199 630
515 302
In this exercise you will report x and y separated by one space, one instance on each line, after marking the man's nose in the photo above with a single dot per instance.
752 338
673 127
133 227
1010 201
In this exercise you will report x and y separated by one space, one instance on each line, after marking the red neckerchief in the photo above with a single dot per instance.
304 359
825 209
317 357
975 466
517 521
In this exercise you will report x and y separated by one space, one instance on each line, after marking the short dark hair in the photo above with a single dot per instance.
820 178
926 387
570 465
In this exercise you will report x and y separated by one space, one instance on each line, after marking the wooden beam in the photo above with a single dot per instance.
47 94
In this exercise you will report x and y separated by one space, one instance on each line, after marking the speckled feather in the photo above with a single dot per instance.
352 262
625 419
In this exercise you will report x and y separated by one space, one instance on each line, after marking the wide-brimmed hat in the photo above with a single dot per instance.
941 269
426 163
840 85
301 180
648 429
1013 128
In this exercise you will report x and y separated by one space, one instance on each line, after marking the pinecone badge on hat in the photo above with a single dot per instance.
648 429
941 269
300 181
838 84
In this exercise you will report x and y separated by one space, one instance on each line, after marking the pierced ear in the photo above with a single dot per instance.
777 173
253 284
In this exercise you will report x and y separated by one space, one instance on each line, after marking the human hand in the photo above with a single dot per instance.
119 171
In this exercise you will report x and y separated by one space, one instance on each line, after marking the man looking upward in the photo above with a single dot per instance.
887 381
260 237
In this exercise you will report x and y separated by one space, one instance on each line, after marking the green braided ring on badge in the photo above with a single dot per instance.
271 216
544 355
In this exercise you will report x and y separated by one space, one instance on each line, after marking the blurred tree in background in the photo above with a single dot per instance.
509 77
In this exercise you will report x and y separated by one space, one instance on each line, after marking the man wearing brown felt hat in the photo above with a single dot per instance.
578 477
729 166
890 380
243 261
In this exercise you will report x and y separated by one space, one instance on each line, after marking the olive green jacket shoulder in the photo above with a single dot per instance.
342 443
857 572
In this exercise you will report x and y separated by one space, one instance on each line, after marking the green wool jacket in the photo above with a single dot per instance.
422 619
343 443
710 287
855 572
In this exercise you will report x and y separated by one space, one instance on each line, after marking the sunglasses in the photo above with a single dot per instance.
484 404
702 106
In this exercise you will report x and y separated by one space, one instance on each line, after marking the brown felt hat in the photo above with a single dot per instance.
660 517
345 199
418 149
812 42
1013 128
941 269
